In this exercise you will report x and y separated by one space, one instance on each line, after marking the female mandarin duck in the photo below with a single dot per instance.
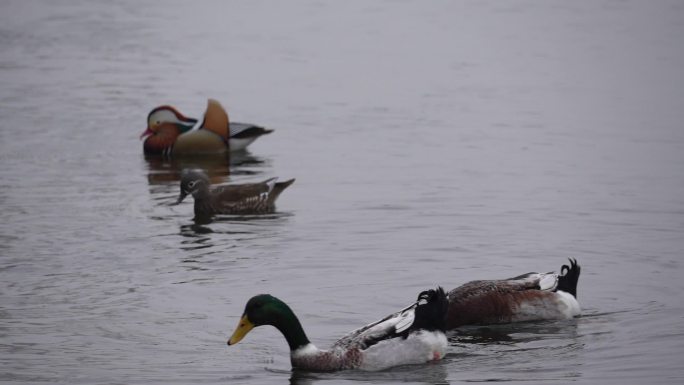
252 198
170 133
528 297
413 335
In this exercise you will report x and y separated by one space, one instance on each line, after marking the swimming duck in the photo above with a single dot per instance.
528 297
413 335
170 133
251 198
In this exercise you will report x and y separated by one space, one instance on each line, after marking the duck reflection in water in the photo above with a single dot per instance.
163 170
514 333
431 373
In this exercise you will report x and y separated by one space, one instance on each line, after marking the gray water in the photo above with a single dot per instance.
432 142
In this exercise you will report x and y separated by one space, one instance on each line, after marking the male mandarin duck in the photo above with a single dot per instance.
252 198
170 133
413 335
528 297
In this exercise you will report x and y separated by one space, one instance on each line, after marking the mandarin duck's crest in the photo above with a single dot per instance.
167 114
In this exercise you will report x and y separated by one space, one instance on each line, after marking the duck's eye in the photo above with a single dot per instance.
158 122
192 184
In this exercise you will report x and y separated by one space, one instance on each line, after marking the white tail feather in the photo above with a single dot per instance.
405 321
271 183
548 281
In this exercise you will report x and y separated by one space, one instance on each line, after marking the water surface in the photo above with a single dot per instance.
433 143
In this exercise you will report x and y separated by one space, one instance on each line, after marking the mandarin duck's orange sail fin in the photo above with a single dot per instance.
216 119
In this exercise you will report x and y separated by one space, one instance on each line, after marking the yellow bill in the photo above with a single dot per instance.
241 331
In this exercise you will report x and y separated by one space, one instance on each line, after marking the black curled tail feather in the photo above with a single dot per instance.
431 315
567 281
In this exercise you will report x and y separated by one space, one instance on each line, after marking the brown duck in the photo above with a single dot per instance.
528 297
251 198
171 133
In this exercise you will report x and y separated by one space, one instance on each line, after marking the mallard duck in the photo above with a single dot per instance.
411 336
171 133
528 297
251 198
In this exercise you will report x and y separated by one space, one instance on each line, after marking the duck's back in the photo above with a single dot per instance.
524 298
241 199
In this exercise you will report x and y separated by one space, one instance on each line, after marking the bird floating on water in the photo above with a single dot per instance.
413 335
171 133
250 198
528 297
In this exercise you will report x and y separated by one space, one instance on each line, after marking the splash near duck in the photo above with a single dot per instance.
171 133
413 335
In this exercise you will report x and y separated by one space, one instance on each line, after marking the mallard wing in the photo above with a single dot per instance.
533 281
389 327
428 312
529 281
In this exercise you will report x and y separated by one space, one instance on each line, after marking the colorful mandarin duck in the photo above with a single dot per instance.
413 335
528 297
171 133
239 199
